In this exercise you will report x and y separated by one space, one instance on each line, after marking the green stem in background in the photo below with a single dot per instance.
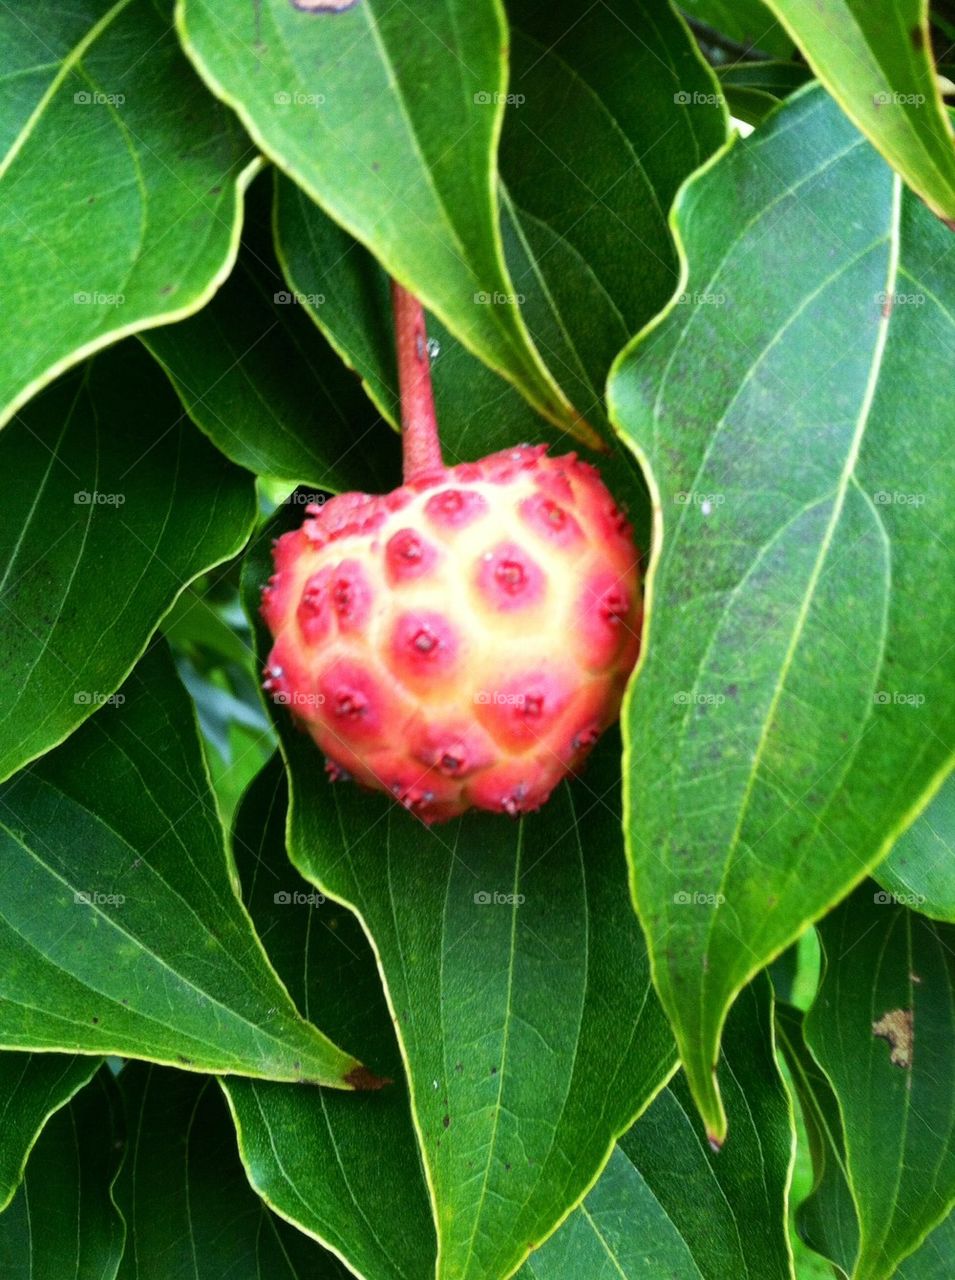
421 447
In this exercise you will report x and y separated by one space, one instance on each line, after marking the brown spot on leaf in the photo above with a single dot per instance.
897 1028
362 1079
918 37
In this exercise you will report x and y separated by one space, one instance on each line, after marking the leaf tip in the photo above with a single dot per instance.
364 1081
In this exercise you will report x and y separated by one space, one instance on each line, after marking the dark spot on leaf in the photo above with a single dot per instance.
362 1079
95 1020
446 1122
918 37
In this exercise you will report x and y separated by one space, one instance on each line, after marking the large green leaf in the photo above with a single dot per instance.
667 1207
120 184
517 978
920 870
748 23
345 1170
390 122
118 503
189 1211
120 926
608 119
882 1029
791 714
63 1222
826 1219
32 1087
875 58
265 387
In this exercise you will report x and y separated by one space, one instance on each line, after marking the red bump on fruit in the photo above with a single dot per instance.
509 579
550 520
350 594
408 556
455 508
423 645
605 616
523 710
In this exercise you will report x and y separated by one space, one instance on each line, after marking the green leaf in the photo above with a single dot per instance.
118 503
586 182
826 1219
63 1222
188 1208
789 717
478 411
120 185
267 389
517 978
390 122
777 78
668 1206
875 58
882 1029
356 1184
120 926
32 1087
749 23
920 870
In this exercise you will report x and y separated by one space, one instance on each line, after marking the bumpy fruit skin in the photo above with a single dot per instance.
462 641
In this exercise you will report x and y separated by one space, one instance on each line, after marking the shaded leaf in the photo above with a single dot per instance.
121 190
920 870
266 388
875 58
120 928
63 1222
749 23
119 503
32 1087
518 981
790 715
882 1029
667 1207
390 122
607 121
189 1211
346 1170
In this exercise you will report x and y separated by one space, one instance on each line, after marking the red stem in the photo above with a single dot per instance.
421 448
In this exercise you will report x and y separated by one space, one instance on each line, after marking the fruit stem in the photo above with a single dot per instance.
421 448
